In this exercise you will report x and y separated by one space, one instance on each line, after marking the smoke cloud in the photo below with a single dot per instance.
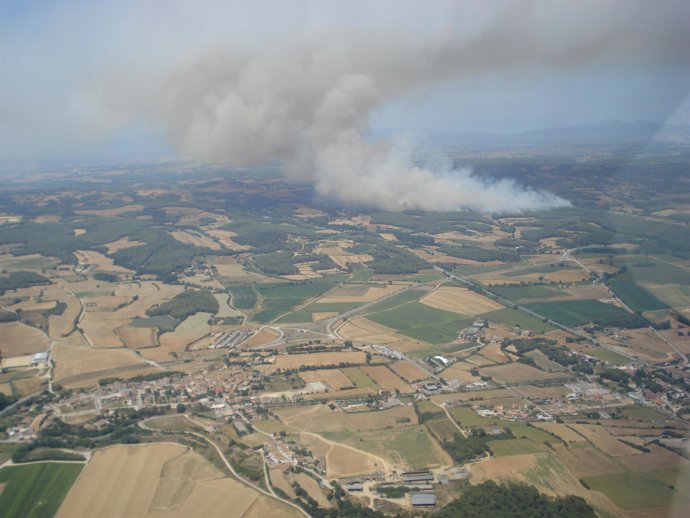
308 105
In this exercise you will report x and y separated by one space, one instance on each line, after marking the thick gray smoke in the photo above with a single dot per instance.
307 105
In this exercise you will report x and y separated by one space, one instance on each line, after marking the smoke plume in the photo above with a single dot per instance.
306 104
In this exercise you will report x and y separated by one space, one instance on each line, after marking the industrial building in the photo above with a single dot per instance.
422 499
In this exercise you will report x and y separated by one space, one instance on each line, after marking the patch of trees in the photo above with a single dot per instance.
559 354
185 304
414 239
8 316
463 449
122 428
389 259
21 279
6 400
491 500
30 453
161 255
623 321
283 262
475 253
105 277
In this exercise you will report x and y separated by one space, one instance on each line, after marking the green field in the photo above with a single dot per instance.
361 276
527 292
35 490
647 270
608 356
442 428
243 297
576 312
642 413
636 490
163 322
279 298
506 447
635 296
304 314
467 417
358 378
532 433
424 277
399 299
422 322
410 445
543 269
543 361
514 317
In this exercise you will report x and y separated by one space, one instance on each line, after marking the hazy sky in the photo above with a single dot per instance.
82 79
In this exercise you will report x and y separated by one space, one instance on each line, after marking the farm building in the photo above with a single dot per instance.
417 476
39 358
423 499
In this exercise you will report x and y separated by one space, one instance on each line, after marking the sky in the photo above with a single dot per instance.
130 79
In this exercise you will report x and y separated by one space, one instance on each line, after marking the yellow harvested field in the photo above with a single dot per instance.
359 293
224 237
196 239
603 440
17 339
279 481
80 366
364 330
263 337
494 353
517 373
322 315
171 481
138 337
346 462
224 309
459 300
473 395
312 487
231 270
109 213
99 261
387 379
27 386
61 325
554 479
341 394
101 328
459 372
122 244
320 418
16 361
294 361
409 371
558 275
587 461
333 378
561 431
